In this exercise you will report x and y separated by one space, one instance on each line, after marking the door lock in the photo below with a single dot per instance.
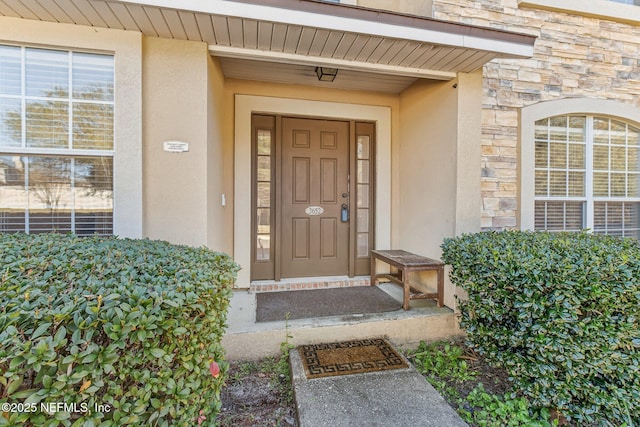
344 213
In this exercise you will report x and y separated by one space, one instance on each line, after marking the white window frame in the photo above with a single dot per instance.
526 154
67 152
126 46
603 9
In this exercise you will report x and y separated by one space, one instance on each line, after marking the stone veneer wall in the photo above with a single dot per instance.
575 56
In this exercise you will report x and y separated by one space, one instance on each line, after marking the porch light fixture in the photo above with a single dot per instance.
326 74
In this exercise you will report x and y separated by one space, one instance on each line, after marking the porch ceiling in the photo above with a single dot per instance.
296 33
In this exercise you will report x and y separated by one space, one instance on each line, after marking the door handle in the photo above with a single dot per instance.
344 213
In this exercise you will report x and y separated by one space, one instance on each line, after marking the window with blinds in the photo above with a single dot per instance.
587 175
56 141
633 2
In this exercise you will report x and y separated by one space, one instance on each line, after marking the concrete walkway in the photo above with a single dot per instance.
394 398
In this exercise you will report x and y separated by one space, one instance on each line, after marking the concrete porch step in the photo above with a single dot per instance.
247 340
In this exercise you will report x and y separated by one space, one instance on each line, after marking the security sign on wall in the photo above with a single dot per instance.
175 146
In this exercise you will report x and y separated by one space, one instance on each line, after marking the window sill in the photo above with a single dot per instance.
603 9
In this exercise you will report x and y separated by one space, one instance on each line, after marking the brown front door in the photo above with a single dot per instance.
314 186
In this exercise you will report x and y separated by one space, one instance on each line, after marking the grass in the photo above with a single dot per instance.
479 392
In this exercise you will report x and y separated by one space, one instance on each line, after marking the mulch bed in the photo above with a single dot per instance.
254 397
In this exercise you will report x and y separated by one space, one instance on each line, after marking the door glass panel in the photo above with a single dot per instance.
363 220
263 247
363 171
363 189
363 195
363 147
264 168
363 245
264 194
264 141
263 220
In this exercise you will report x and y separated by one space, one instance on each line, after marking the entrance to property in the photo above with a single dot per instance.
313 197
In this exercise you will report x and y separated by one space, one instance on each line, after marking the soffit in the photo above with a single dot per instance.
296 33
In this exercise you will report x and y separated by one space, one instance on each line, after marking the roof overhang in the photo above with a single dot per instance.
300 32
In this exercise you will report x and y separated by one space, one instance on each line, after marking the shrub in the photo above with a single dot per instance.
131 325
560 312
490 410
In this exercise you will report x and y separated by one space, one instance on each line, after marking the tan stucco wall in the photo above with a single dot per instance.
439 166
412 7
469 151
219 236
175 76
427 172
126 46
427 166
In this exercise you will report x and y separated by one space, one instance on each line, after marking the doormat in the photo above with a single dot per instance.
305 304
349 357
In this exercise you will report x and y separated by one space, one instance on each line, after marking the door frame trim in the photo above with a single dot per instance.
246 105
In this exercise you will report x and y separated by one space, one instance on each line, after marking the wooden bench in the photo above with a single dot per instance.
406 262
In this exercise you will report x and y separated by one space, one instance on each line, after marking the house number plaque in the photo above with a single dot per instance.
314 210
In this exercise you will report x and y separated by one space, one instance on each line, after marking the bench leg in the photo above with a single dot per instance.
441 287
406 289
372 280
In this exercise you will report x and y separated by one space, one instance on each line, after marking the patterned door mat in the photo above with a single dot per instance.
349 357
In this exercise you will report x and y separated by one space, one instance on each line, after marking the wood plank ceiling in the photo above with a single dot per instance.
288 52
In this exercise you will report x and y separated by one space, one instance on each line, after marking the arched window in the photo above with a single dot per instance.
587 175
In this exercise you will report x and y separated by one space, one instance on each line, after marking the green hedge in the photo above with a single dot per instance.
561 312
131 325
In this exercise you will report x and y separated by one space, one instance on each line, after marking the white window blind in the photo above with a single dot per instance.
633 2
56 141
587 175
